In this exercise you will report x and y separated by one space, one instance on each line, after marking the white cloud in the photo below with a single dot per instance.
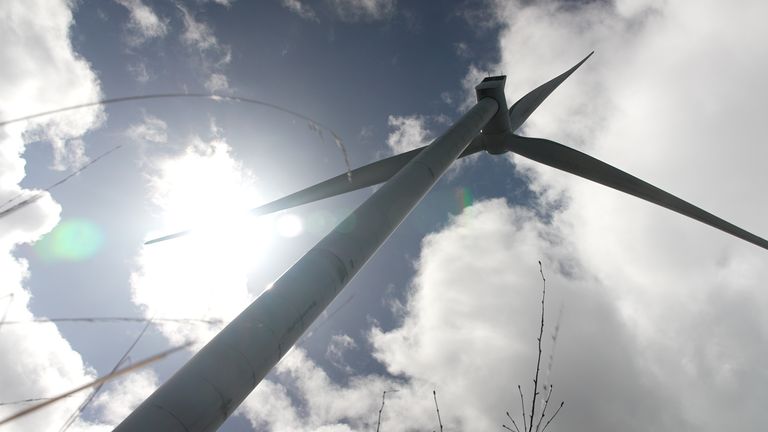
68 153
197 34
213 57
474 75
225 3
301 9
40 72
414 131
143 23
409 132
462 50
446 97
140 72
363 10
474 301
121 396
29 88
152 130
330 407
339 345
217 82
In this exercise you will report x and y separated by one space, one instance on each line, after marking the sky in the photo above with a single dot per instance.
660 320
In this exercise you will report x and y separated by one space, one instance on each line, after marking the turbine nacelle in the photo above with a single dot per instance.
495 134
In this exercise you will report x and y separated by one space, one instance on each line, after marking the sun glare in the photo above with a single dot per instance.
210 193
289 225
206 273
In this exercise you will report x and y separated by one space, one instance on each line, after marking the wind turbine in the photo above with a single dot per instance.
210 386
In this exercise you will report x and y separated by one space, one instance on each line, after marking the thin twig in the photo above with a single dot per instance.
544 410
96 382
313 124
439 421
553 416
96 389
23 401
210 96
42 193
115 319
522 406
378 422
517 429
538 359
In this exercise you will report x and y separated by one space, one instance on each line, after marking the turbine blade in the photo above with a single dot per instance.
575 162
168 237
522 109
365 176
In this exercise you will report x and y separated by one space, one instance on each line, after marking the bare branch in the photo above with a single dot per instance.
124 359
553 416
439 421
522 405
42 193
544 410
378 422
517 429
96 382
114 320
24 401
538 358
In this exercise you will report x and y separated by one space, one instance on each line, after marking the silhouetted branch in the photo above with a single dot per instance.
96 382
38 195
538 357
553 416
116 319
548 388
23 401
439 421
517 429
544 409
378 422
123 359
522 406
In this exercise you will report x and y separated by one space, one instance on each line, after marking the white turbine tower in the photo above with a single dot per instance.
211 385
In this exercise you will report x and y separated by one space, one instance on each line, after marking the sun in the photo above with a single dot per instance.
289 225
205 274
209 192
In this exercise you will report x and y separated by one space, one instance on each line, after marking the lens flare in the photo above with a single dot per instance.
71 240
464 198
